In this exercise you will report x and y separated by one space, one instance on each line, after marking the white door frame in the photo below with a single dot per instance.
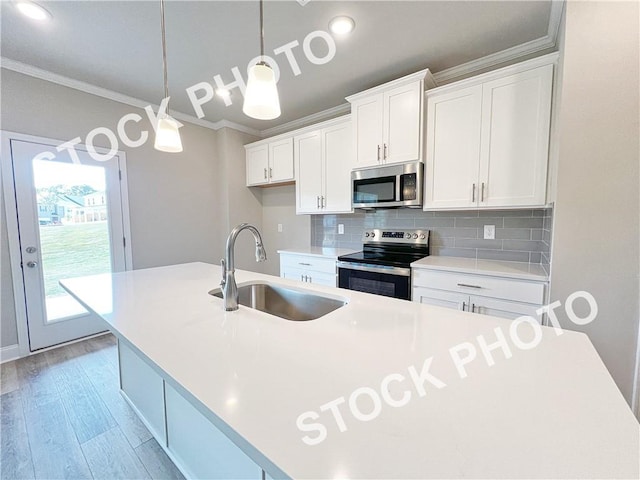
11 211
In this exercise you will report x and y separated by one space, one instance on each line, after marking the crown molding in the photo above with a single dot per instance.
444 76
304 121
48 76
509 54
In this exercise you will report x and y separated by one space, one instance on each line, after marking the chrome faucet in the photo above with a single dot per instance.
228 283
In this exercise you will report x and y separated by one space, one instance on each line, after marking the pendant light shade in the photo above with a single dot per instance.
261 100
167 136
167 133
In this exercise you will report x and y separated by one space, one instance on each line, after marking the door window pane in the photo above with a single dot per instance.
74 231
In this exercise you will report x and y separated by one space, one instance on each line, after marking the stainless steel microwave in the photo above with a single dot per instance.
390 186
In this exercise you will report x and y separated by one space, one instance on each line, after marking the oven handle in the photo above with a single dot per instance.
367 267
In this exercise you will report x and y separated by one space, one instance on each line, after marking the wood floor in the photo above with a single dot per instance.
62 416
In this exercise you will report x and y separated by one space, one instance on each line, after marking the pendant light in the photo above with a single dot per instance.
167 134
261 99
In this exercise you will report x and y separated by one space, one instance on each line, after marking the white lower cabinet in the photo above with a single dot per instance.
202 449
309 269
197 447
485 294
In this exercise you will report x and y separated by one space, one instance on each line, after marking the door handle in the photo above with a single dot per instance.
271 173
322 202
265 173
473 308
32 264
318 202
301 277
385 151
482 193
473 194
464 304
378 153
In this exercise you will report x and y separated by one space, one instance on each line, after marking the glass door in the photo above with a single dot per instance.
70 224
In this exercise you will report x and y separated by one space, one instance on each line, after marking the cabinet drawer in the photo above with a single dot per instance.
309 276
480 285
316 264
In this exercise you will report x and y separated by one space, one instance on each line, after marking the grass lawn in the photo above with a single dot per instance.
73 251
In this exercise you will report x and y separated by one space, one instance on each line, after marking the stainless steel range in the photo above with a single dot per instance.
383 267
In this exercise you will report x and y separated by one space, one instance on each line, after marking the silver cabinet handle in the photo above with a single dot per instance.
468 286
305 264
265 173
385 151
378 153
301 277
270 172
473 308
318 202
482 193
310 280
473 194
464 305
322 202
32 264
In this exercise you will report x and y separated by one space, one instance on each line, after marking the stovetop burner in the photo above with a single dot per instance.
397 248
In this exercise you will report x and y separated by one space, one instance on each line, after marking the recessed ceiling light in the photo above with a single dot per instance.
33 10
342 25
223 92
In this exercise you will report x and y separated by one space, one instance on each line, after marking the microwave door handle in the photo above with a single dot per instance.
399 188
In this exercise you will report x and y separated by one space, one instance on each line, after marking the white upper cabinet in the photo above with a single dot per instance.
387 121
324 159
270 162
487 139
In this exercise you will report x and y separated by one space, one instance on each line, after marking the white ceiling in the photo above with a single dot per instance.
116 45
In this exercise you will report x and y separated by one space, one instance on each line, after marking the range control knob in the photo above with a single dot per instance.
422 236
373 234
367 235
407 235
415 235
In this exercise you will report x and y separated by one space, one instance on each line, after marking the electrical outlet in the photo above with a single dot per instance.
340 229
279 228
489 232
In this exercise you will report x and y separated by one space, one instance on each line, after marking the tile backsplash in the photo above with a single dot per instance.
521 235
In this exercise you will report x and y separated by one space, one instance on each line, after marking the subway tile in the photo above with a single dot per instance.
506 213
509 233
478 243
536 234
535 257
329 220
546 237
400 223
438 241
522 245
522 222
480 222
457 213
456 232
434 222
454 252
503 255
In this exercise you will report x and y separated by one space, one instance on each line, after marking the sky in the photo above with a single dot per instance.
48 173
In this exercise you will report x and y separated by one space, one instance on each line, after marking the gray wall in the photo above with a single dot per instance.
279 206
173 197
595 237
519 233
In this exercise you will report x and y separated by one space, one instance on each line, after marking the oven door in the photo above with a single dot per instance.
377 279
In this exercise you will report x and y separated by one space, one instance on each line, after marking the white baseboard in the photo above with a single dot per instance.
7 354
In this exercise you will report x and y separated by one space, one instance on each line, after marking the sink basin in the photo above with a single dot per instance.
285 302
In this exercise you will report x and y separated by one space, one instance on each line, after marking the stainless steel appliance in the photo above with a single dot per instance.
383 267
391 186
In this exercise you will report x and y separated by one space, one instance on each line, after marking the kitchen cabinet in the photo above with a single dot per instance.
195 445
487 139
323 162
388 121
485 294
270 162
309 269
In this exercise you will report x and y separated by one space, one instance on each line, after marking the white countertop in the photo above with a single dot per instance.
549 412
318 252
498 268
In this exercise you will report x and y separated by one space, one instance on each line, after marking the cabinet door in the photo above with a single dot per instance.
440 298
338 161
281 161
503 308
200 448
292 273
321 278
367 130
144 388
516 114
257 165
402 130
308 160
453 149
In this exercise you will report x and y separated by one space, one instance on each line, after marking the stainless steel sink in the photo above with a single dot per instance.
285 302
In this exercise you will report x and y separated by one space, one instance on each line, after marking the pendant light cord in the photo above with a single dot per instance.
164 54
262 62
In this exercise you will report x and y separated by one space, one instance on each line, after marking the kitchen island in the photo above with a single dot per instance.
392 384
